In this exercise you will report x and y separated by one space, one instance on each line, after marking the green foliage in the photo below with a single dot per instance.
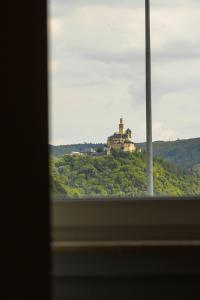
99 149
183 153
196 169
119 174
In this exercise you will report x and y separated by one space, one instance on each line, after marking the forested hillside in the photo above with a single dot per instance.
183 153
119 174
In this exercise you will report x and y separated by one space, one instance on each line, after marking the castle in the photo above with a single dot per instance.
121 140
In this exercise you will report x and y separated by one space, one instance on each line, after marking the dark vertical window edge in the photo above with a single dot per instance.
24 151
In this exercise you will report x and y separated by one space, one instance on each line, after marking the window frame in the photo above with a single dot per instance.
26 207
125 222
148 221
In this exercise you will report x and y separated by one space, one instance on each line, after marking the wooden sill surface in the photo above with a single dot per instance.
116 246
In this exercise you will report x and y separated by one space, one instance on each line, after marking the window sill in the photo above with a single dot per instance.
109 224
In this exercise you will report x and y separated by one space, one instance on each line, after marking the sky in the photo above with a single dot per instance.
97 69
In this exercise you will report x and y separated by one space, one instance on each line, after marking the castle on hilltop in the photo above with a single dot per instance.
121 140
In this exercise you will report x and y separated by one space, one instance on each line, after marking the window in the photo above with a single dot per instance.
101 59
97 67
27 221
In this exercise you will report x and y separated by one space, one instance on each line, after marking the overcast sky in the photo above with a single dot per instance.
97 69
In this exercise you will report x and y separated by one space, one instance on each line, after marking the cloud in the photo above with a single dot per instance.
126 3
123 57
53 66
97 68
56 27
78 3
160 133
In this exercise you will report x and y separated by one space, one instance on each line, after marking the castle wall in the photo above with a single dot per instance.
129 148
120 141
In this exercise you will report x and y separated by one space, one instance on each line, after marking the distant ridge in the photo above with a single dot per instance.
66 149
184 153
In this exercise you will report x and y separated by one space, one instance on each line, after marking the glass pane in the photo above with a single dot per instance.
175 94
97 98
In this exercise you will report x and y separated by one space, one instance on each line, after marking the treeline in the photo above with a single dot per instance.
183 153
66 149
119 174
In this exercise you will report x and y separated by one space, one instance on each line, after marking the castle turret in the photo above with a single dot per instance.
121 141
129 133
121 126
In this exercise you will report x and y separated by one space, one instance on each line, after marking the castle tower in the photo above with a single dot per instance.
121 141
121 126
129 133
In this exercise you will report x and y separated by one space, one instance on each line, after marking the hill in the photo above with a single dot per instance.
66 149
183 153
120 174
